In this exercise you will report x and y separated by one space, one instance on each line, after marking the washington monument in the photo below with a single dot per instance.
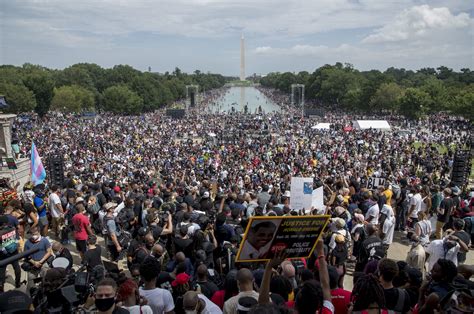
242 58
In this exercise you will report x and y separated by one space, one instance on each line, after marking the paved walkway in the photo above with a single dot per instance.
397 251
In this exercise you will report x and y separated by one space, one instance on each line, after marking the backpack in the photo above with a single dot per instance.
402 296
8 240
94 208
105 229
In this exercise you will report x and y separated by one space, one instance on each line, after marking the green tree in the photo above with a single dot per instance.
19 97
40 82
387 97
414 103
72 98
438 93
464 102
122 99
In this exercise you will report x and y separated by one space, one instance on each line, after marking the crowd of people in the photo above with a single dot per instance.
156 209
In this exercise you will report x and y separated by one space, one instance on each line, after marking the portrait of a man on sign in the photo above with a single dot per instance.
267 236
259 239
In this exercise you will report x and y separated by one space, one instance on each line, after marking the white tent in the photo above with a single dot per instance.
321 126
371 124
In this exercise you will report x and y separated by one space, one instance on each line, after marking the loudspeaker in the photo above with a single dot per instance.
56 170
461 167
192 95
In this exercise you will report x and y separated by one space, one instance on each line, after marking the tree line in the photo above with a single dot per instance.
410 93
89 87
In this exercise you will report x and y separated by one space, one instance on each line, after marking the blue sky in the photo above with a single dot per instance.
281 35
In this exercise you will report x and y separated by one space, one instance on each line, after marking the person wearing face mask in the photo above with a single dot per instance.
37 260
197 303
130 298
105 298
60 251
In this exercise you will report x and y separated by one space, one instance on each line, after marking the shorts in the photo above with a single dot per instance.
81 245
43 221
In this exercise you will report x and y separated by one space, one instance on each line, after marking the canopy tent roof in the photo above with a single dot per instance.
371 124
321 126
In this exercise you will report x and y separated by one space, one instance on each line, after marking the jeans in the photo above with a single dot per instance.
401 217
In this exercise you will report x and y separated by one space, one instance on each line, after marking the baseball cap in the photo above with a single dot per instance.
15 301
181 279
205 194
79 200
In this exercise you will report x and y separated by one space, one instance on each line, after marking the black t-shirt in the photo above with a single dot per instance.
358 244
372 248
393 297
120 310
184 245
208 288
92 258
447 205
156 231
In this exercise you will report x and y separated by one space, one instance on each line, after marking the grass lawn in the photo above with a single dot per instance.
443 149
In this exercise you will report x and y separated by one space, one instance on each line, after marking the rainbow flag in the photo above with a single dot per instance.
38 173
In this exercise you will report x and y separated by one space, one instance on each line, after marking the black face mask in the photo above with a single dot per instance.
104 304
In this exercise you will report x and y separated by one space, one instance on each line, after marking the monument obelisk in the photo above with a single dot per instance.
242 58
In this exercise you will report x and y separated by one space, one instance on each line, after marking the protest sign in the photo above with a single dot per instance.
373 182
317 200
301 193
266 236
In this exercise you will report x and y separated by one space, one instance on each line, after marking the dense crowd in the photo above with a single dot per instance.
171 200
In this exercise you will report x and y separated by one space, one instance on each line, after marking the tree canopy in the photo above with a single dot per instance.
411 93
86 86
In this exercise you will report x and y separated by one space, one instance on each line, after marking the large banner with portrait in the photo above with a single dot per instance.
266 236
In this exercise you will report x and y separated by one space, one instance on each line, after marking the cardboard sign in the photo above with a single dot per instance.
301 193
266 236
11 164
373 183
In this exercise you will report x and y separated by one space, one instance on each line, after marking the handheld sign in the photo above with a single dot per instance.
266 236
301 193
373 182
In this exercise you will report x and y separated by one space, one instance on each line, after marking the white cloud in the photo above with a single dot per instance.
416 22
306 50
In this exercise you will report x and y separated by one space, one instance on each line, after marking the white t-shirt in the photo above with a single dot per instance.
436 251
416 200
145 309
210 308
53 201
160 300
389 224
373 212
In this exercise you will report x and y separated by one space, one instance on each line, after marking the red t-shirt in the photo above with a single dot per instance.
340 298
80 222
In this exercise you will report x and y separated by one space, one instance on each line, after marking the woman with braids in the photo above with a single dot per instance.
368 296
229 290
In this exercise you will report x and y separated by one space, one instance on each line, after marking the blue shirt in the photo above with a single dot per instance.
38 202
43 246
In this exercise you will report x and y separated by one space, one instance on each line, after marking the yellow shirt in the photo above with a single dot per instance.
388 194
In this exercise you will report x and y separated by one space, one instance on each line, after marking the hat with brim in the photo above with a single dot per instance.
110 205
